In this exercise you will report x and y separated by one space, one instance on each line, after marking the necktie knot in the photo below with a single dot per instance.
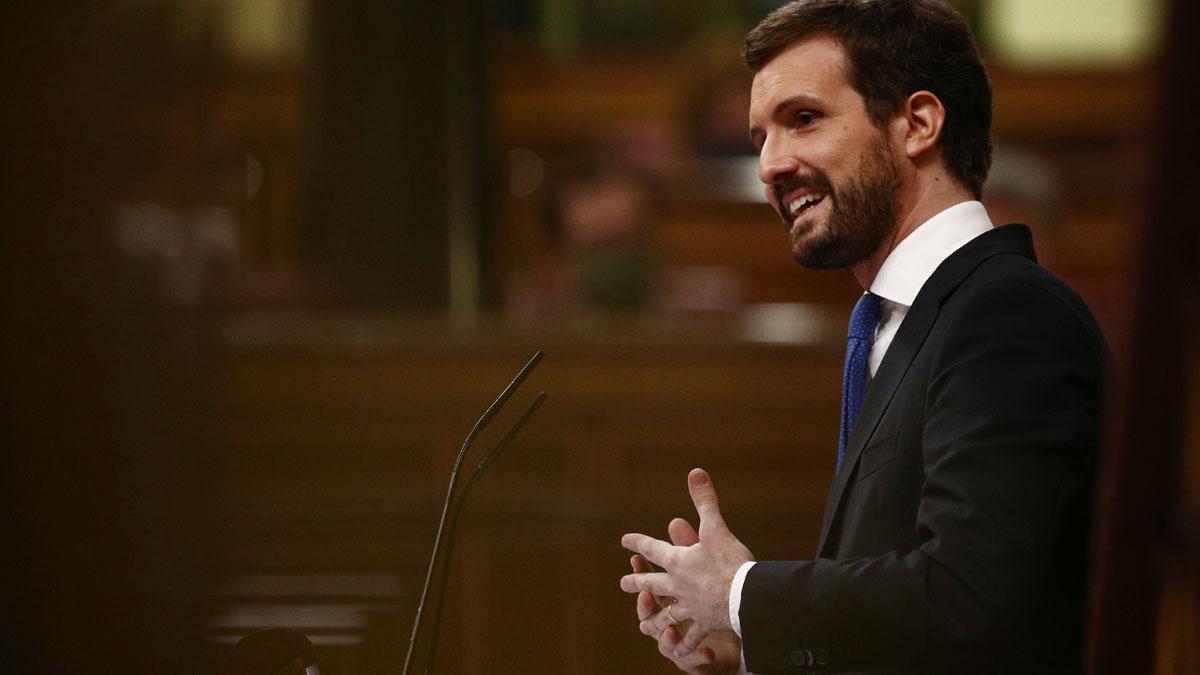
865 317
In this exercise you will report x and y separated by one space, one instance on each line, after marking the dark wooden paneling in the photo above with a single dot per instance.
338 455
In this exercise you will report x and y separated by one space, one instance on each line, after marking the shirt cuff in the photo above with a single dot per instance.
735 604
735 597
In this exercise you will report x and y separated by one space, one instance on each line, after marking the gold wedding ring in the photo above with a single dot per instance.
669 616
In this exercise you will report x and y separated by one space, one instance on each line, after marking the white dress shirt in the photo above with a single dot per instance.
901 277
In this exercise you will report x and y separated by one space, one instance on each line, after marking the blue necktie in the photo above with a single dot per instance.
856 374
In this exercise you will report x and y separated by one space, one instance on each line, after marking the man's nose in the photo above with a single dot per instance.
775 162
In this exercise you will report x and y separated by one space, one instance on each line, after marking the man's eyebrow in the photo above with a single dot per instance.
798 100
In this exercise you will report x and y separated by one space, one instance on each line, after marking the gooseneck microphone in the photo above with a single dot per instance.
436 620
447 524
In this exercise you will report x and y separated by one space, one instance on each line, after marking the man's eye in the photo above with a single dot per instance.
805 118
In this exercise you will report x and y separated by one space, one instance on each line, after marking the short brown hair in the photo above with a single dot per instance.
895 48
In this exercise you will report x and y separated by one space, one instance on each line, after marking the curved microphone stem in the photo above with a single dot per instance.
462 453
448 553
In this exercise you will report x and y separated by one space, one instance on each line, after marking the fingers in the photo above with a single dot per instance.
688 643
647 606
701 657
655 619
655 550
658 583
679 638
682 533
669 616
669 642
704 496
647 603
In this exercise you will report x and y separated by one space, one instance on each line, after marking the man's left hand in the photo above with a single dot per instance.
697 576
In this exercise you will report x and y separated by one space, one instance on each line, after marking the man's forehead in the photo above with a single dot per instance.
816 65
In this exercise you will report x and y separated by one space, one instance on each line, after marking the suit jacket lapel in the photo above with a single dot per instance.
913 331
891 371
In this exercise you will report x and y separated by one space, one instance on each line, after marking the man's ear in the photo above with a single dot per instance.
923 115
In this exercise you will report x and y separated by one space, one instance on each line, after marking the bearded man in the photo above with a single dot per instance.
955 536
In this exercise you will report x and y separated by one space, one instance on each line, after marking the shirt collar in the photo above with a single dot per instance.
914 259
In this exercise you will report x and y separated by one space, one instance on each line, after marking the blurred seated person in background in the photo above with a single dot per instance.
597 219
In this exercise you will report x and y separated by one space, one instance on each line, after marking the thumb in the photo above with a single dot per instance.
704 496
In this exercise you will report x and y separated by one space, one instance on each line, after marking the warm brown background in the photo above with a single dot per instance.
198 447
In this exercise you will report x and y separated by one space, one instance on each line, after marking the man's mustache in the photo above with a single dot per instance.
813 181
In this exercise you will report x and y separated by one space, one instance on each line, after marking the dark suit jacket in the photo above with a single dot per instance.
956 535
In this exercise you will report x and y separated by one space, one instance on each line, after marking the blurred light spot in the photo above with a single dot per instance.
1035 33
263 30
785 323
525 171
728 179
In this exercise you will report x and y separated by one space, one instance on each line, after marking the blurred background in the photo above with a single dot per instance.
267 260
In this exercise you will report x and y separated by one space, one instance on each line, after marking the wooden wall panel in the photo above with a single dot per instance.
337 457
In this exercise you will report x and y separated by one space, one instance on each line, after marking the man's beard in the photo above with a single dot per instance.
862 214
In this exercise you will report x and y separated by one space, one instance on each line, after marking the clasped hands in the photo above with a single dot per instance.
686 608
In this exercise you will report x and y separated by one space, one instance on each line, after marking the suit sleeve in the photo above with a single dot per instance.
1011 424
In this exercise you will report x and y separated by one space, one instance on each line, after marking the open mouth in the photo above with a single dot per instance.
801 204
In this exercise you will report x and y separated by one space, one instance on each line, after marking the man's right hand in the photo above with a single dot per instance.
719 653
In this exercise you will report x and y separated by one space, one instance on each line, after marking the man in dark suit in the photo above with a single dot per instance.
955 536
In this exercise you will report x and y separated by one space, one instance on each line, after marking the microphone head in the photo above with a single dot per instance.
272 651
